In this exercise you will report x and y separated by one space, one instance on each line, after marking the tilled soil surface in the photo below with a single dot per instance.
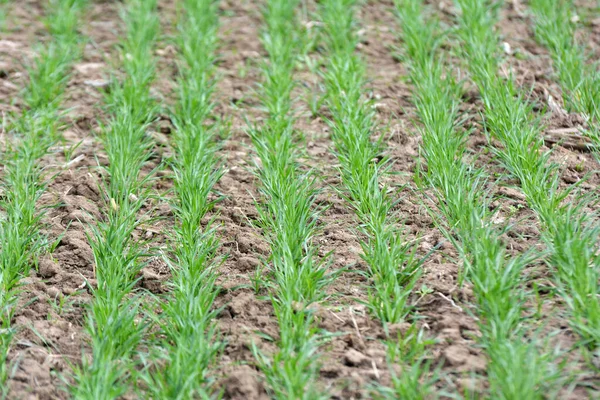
51 338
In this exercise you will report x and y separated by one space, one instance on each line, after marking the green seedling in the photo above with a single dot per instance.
463 202
393 265
183 360
578 74
35 130
113 320
297 277
407 356
508 118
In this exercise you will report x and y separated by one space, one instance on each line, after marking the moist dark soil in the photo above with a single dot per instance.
51 338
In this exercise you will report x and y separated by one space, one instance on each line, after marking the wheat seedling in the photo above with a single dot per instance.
578 73
288 216
36 129
393 266
191 344
113 317
509 119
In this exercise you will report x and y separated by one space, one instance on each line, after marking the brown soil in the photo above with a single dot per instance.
50 317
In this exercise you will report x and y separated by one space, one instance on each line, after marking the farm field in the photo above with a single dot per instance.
299 199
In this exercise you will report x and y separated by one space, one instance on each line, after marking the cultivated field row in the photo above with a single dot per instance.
300 200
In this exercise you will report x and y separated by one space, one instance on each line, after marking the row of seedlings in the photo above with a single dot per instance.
190 344
578 75
509 120
297 276
393 266
515 368
113 320
573 235
36 129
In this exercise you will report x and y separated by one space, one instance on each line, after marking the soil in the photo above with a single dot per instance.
51 338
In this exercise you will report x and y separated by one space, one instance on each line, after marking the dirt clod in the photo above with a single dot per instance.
355 358
242 385
48 267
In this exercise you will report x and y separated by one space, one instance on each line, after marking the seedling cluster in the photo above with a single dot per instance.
191 343
176 342
113 322
33 132
297 277
570 232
